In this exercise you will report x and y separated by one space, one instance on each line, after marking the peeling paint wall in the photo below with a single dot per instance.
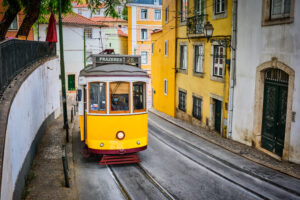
36 99
257 44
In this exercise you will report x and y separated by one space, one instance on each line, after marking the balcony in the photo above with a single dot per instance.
195 26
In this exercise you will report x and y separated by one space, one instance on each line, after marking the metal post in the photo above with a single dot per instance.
72 115
84 48
62 74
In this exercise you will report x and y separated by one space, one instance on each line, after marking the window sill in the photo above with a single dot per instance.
220 15
199 74
270 22
217 78
183 71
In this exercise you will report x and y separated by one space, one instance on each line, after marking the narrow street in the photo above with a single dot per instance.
179 165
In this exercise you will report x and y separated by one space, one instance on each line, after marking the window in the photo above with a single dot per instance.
97 97
88 33
183 10
144 13
219 6
197 107
79 11
139 100
166 47
144 57
71 82
218 60
144 34
157 15
183 57
199 7
166 87
198 58
277 12
156 2
14 24
152 48
280 8
181 105
167 14
119 96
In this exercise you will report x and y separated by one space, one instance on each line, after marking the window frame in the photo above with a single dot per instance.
88 36
185 54
184 102
152 48
144 39
166 86
144 15
282 14
199 117
214 63
145 98
167 14
201 57
89 94
266 14
17 24
146 57
166 48
155 12
129 99
183 12
219 2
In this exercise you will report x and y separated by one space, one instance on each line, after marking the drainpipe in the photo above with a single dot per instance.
233 66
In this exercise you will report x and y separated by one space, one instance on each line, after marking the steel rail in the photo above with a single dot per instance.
222 160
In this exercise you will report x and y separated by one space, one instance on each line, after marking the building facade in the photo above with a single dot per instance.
163 61
266 101
203 65
144 16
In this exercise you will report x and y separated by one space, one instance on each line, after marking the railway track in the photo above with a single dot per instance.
146 175
277 188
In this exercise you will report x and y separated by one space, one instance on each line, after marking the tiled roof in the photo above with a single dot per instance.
74 18
121 33
107 19
156 31
86 5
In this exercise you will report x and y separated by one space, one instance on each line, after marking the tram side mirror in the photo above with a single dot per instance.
78 95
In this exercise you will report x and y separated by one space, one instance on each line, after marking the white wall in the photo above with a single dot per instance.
257 44
35 100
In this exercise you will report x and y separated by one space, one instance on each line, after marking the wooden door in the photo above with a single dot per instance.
274 113
218 116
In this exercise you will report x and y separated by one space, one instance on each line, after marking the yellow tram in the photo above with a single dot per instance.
112 107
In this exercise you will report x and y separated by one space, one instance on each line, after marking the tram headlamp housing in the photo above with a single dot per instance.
120 135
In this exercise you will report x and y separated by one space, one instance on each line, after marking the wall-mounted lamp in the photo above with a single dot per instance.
223 40
208 30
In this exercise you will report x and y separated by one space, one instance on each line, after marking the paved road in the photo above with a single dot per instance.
180 165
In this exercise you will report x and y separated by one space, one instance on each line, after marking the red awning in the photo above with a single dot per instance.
51 34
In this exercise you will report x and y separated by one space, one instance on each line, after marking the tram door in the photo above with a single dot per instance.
274 110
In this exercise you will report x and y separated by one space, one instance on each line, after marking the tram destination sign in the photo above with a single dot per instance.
101 59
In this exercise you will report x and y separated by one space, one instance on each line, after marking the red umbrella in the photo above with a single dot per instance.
51 34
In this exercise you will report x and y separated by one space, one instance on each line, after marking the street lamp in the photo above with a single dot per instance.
208 30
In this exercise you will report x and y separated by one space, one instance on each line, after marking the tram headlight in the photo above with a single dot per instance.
120 135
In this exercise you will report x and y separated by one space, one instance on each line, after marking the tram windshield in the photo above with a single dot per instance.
97 96
119 96
139 96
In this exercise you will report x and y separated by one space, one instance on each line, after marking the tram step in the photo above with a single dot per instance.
119 159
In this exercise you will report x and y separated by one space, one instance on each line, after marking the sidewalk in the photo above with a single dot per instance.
248 152
45 179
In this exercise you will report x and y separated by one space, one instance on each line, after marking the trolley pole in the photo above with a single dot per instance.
62 73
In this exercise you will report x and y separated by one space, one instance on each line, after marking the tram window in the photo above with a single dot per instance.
119 96
97 97
139 96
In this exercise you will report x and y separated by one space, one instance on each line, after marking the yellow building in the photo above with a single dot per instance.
144 16
202 78
163 61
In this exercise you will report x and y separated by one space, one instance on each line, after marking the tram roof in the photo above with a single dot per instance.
113 70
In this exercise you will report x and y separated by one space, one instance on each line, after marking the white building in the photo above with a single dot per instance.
74 26
266 103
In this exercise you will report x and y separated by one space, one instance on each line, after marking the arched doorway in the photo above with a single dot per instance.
274 110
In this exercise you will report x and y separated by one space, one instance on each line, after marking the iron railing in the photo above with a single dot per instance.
17 55
195 25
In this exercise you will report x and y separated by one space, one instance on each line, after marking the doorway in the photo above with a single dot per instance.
218 114
274 110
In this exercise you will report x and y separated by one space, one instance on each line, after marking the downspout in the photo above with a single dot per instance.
176 40
233 67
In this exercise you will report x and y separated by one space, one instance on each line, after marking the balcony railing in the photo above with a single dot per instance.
17 55
195 25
